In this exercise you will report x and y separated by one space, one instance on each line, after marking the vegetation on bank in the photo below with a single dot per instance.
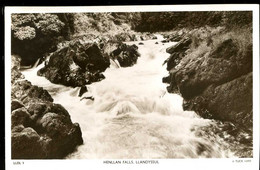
34 35
213 73
166 21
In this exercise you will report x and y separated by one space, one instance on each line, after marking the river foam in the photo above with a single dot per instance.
132 115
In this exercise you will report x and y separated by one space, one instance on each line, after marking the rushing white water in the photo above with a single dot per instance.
133 116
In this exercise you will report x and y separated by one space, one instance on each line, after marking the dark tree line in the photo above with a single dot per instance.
165 21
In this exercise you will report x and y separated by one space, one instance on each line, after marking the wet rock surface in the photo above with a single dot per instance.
40 128
75 65
126 55
177 51
82 90
79 63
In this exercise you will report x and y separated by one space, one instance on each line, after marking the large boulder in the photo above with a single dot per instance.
26 143
20 117
194 75
75 65
231 101
214 79
40 128
126 55
24 91
16 104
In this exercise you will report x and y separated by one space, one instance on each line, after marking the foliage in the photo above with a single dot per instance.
44 24
99 23
33 35
26 32
165 21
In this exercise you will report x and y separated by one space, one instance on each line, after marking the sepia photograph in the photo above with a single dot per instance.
131 87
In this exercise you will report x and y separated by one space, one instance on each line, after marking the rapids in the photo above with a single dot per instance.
132 115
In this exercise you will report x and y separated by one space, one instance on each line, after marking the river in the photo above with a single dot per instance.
133 116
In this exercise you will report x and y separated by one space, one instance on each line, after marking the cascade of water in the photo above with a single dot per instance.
133 116
114 63
36 63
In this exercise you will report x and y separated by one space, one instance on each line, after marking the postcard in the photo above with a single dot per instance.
132 87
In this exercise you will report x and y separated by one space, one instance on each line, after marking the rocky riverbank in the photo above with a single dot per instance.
72 56
212 70
40 128
80 63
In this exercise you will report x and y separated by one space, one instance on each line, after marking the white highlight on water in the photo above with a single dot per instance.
132 116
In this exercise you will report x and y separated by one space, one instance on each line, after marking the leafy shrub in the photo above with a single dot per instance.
33 35
26 32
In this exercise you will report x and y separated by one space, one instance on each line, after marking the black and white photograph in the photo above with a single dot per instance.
132 87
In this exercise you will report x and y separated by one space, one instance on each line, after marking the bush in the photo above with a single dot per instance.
33 35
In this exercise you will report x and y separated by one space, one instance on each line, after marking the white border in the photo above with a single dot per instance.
212 164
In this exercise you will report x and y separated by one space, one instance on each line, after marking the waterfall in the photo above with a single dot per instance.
114 63
133 116
36 63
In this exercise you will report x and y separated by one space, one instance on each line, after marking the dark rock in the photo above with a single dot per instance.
50 130
177 52
40 128
216 83
38 109
174 38
231 101
164 41
180 46
140 43
82 90
207 70
53 124
174 60
90 97
226 50
165 36
172 88
26 144
143 37
126 55
39 92
154 37
156 43
166 79
122 37
20 117
75 65
23 90
15 66
16 104
96 77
